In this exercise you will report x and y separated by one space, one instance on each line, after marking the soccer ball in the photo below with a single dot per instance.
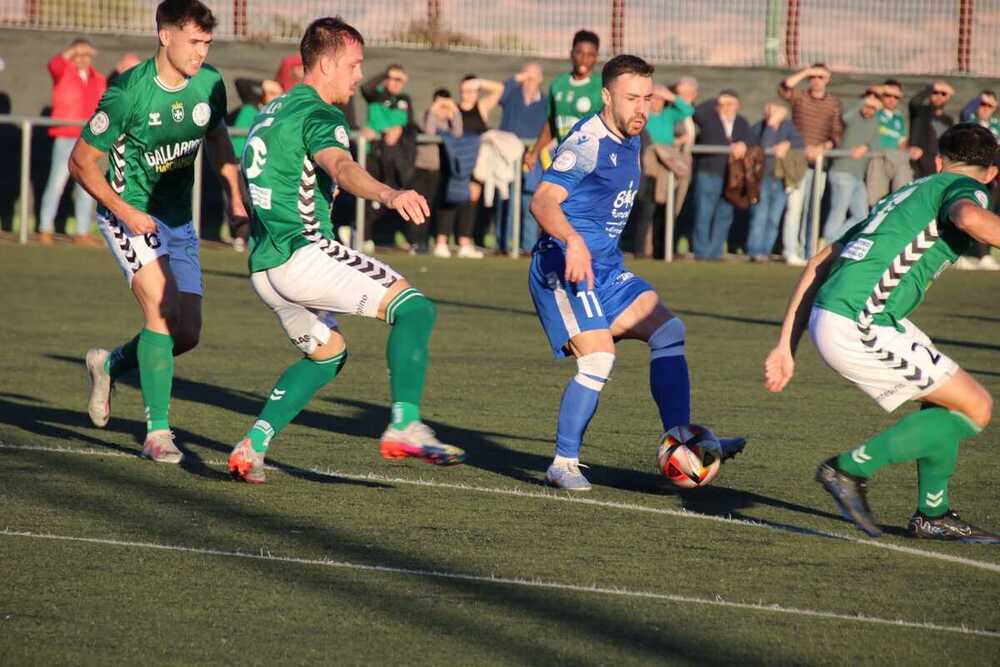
689 456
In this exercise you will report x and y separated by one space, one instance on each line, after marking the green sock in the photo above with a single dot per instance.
122 359
155 352
291 393
928 436
412 317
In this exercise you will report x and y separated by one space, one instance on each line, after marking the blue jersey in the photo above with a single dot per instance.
600 171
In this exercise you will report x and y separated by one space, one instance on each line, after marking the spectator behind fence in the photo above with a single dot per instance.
393 150
719 123
524 113
290 71
76 89
477 98
890 169
10 176
774 131
848 195
124 64
818 116
982 109
928 121
442 117
661 156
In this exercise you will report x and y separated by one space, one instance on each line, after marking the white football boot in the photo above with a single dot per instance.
565 474
160 447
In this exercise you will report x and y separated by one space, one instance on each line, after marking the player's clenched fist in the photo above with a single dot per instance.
410 204
139 222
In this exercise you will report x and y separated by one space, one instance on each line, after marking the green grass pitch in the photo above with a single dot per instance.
343 558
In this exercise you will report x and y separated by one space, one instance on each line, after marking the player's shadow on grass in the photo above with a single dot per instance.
726 502
213 517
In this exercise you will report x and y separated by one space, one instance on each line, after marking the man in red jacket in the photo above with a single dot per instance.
76 89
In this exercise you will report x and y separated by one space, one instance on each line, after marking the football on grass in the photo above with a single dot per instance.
689 456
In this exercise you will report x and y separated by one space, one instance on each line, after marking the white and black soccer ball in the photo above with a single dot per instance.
689 456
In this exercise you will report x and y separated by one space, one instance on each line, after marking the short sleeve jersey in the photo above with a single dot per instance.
891 129
152 133
290 195
570 100
889 260
600 171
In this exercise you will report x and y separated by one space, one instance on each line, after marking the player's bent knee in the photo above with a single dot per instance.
594 369
412 306
333 346
668 339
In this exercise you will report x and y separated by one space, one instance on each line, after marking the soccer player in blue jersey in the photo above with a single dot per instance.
584 296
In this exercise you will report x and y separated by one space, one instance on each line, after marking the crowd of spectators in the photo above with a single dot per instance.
763 175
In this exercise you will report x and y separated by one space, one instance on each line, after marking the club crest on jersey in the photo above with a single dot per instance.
564 161
583 104
340 134
154 119
100 123
200 114
177 111
983 200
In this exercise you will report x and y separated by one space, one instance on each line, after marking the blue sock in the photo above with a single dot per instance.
671 389
578 406
579 401
668 374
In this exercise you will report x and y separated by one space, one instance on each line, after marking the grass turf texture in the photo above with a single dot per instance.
494 390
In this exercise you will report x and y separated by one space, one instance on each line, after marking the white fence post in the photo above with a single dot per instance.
669 218
26 194
515 211
816 197
359 205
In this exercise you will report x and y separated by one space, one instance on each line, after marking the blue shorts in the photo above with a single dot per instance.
565 309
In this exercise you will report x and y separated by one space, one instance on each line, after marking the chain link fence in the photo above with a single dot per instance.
897 36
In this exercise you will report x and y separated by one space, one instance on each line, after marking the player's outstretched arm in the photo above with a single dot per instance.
780 363
349 175
547 209
220 152
977 222
85 168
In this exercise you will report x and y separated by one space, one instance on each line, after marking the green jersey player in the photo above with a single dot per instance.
855 297
572 95
150 124
296 156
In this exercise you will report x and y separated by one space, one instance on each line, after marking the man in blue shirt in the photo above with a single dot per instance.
583 295
524 113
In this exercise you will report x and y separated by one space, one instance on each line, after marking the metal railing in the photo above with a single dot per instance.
27 123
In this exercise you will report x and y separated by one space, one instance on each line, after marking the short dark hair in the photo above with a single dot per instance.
968 143
624 64
893 82
442 92
178 13
326 34
989 92
587 36
469 77
821 65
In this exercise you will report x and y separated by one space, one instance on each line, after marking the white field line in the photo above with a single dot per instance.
717 601
574 499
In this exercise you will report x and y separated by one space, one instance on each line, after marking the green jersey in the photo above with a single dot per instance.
570 100
152 133
891 129
291 197
890 259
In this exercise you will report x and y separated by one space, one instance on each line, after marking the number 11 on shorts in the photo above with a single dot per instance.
586 304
